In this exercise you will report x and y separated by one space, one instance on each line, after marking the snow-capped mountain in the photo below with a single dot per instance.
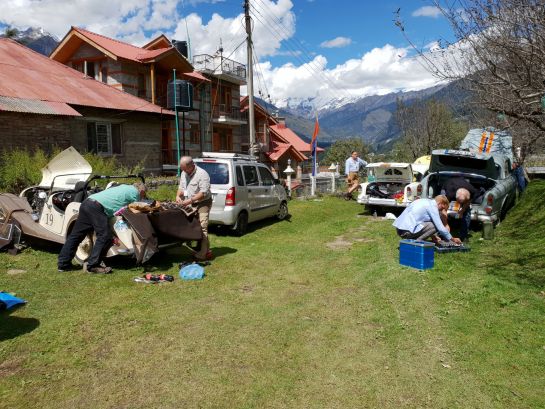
368 118
34 38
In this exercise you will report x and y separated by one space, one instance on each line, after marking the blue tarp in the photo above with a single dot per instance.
8 301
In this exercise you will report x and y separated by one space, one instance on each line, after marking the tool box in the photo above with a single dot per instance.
416 253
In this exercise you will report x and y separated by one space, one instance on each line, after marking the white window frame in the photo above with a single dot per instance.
108 135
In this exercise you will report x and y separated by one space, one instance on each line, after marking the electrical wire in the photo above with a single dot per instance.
298 49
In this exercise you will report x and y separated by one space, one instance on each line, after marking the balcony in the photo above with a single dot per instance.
221 67
223 114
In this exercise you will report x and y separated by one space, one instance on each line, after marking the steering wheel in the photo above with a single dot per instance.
66 197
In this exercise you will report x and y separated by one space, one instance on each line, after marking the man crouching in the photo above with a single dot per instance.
422 220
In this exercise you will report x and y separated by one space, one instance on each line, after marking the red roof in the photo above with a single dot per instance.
121 49
26 74
281 149
292 138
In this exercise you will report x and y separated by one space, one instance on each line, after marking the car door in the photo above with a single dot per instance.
251 178
269 200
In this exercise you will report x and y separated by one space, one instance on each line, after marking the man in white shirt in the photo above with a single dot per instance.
421 220
194 190
351 170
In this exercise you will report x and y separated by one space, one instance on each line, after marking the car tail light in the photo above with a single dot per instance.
489 199
488 210
419 190
230 198
409 191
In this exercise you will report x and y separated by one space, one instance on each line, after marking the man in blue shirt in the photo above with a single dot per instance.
421 220
351 170
93 215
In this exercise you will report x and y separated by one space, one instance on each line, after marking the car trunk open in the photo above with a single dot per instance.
389 180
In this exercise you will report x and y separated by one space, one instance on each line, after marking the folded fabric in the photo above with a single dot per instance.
8 301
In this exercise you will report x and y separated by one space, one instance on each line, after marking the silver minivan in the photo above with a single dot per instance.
243 190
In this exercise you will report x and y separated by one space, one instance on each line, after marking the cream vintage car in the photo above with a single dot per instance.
48 211
389 184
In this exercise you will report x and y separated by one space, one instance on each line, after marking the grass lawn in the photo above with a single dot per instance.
314 312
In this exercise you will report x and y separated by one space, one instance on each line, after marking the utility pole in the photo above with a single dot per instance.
250 78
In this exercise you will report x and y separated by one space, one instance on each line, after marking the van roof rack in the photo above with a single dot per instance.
228 155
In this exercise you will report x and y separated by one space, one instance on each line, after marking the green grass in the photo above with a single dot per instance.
314 312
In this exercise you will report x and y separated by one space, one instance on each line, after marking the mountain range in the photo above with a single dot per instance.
369 118
34 38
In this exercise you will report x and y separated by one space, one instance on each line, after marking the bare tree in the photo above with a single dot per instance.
425 126
498 55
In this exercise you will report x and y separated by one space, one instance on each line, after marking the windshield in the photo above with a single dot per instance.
218 172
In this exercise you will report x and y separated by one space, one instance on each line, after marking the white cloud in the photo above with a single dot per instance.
427 11
336 42
378 71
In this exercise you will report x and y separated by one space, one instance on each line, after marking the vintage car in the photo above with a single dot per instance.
48 211
389 184
484 160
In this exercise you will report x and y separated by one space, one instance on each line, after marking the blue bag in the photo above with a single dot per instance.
8 301
192 272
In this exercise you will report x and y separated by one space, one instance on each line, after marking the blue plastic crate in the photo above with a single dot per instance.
416 253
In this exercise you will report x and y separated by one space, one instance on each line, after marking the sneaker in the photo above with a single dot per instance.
100 269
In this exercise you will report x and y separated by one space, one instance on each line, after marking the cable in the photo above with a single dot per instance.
300 47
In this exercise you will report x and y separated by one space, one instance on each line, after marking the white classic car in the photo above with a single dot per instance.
389 184
48 211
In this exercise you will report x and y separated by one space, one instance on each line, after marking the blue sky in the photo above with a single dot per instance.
321 49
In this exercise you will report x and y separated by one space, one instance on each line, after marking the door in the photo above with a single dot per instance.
255 191
269 200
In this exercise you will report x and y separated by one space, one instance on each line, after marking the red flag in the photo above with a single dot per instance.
315 134
314 145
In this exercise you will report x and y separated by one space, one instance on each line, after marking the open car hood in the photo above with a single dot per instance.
65 170
448 160
391 172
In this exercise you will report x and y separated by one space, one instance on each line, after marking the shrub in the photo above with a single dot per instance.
20 169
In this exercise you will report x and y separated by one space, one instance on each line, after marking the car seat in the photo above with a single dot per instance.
80 193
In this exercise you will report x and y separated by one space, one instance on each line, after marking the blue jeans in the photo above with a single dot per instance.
465 223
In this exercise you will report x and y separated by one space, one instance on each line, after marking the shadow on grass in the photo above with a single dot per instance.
13 327
523 268
223 231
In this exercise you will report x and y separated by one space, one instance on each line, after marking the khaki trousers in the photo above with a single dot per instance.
204 214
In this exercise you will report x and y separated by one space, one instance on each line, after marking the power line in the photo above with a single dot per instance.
295 43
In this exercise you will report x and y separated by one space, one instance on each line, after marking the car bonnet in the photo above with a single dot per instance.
65 170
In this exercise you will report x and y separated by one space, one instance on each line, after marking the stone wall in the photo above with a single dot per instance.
141 134
31 131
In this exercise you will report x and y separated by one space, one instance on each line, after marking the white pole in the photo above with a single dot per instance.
312 185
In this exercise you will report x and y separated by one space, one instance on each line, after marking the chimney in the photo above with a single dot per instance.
281 120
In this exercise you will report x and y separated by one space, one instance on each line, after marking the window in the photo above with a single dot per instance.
194 133
104 75
240 179
142 86
90 68
250 174
266 177
218 172
104 138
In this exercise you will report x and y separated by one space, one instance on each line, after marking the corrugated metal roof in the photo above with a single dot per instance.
28 75
36 107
